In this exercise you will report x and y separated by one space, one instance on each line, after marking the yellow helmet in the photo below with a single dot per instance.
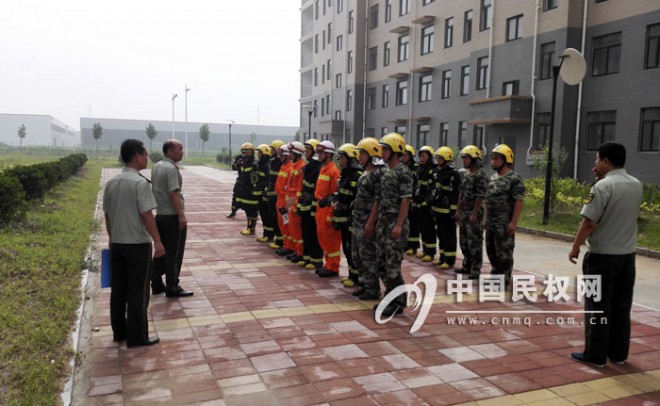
312 143
265 150
426 148
471 151
276 143
247 145
504 150
410 149
371 146
395 142
446 153
349 150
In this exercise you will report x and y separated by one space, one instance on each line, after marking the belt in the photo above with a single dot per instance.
362 204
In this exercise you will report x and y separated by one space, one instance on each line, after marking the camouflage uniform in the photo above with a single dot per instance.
413 236
447 182
396 184
501 195
365 250
472 237
341 215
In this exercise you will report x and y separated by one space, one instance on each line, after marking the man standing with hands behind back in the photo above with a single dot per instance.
127 203
171 221
609 224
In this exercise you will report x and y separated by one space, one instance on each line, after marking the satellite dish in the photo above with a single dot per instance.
573 67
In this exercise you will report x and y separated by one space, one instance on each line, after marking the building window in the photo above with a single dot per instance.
482 73
329 70
327 103
550 4
349 100
383 131
423 134
404 41
601 126
510 88
340 6
388 11
316 76
371 98
386 96
478 136
340 42
324 6
607 54
428 34
649 136
351 21
449 32
316 108
316 10
338 80
349 62
465 80
401 92
404 7
462 134
485 15
542 130
322 73
323 41
401 129
514 27
322 107
467 26
373 58
329 33
444 133
373 17
425 86
652 46
337 114
316 43
386 53
446 84
427 2
547 59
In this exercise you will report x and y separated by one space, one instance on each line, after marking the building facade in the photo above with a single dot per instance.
40 130
458 72
115 131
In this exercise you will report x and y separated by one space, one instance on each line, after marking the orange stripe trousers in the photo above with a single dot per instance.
295 232
329 238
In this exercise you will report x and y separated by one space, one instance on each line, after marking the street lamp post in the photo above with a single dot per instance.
186 103
310 110
174 95
231 122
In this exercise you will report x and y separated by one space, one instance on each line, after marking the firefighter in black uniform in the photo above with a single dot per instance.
421 207
312 252
264 154
245 199
444 200
274 164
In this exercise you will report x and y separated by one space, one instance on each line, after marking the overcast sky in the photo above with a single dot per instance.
125 59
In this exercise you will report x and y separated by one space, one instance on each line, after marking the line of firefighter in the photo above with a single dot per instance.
307 205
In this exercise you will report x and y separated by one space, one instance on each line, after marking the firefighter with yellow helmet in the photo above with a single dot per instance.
245 199
504 202
444 199
261 191
422 209
312 252
274 240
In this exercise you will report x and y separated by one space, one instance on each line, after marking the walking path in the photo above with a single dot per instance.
262 331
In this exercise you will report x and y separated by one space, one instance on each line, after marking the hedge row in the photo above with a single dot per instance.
23 183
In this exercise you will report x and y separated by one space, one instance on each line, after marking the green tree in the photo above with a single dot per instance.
540 163
151 133
204 134
296 137
253 138
97 133
21 134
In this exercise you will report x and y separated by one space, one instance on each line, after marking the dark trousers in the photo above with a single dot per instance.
499 248
312 252
427 229
607 334
413 237
446 225
264 213
129 295
174 242
346 246
272 214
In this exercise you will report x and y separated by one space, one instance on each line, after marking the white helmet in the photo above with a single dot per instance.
326 146
284 150
297 147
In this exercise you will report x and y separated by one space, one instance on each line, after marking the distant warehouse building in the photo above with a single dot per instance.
117 130
40 130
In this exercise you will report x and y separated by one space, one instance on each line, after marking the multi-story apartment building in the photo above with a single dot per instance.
458 72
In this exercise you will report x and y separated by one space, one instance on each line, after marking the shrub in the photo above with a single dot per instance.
156 156
13 199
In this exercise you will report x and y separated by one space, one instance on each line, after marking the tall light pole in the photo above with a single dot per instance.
174 95
231 122
310 110
186 103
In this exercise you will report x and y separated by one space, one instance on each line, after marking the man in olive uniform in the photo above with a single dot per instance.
504 202
127 204
422 210
261 191
274 164
365 216
393 227
470 212
447 182
312 252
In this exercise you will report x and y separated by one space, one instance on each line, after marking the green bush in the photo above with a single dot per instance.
156 156
13 199
32 180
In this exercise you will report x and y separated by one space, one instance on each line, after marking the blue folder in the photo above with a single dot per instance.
106 268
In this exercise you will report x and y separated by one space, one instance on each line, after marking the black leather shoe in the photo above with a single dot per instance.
369 295
296 258
178 292
392 310
579 357
462 271
231 214
150 341
157 290
118 339
326 273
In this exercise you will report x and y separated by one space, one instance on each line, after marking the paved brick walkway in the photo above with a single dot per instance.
261 331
